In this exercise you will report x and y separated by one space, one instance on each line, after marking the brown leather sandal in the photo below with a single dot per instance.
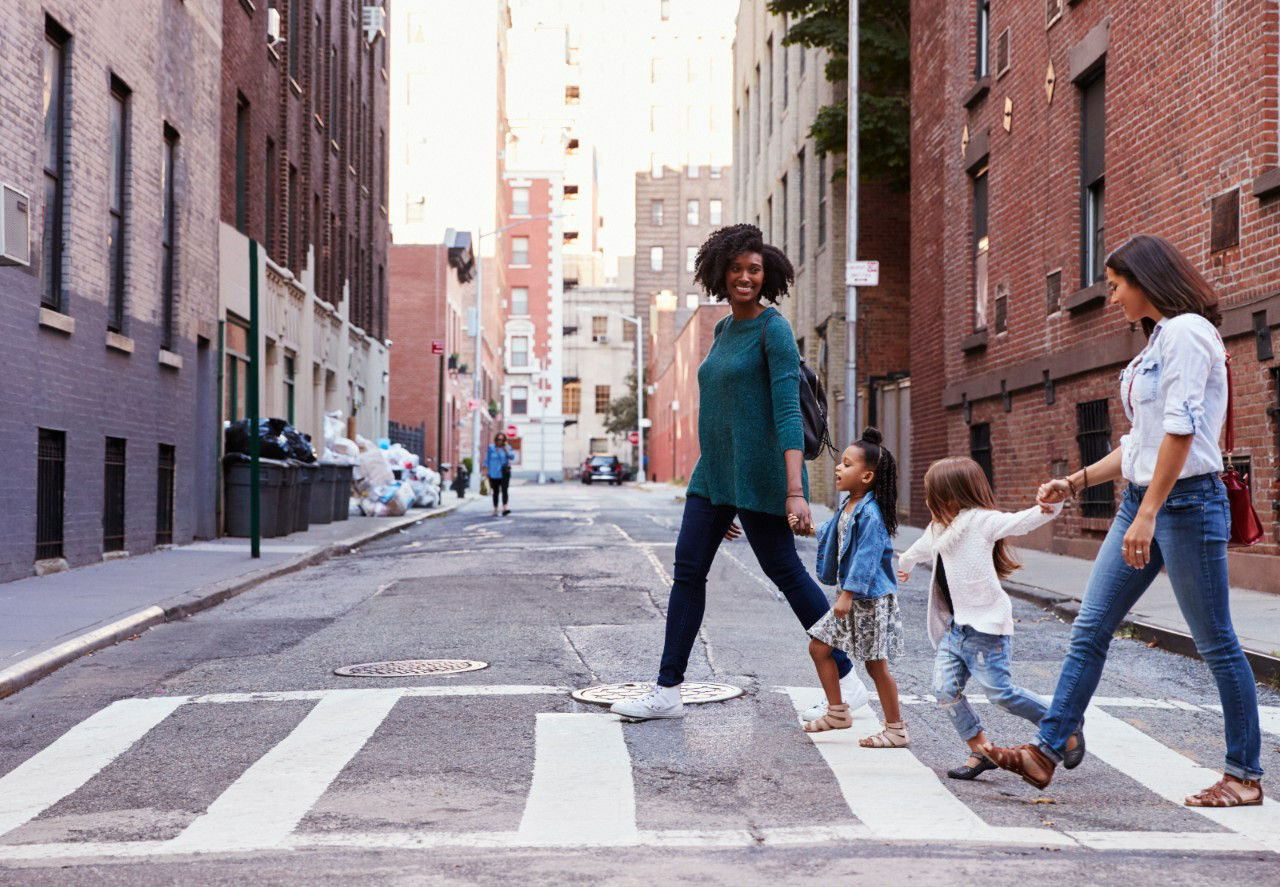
1027 761
837 717
1226 793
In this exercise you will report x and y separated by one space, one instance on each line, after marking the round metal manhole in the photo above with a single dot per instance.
691 692
401 668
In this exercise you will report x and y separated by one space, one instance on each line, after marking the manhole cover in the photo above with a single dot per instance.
691 692
400 668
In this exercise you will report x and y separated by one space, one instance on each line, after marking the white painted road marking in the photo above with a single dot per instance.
77 756
582 793
263 806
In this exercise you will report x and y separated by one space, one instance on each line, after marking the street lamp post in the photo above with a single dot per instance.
474 483
851 237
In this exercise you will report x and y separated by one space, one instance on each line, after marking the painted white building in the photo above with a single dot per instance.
599 354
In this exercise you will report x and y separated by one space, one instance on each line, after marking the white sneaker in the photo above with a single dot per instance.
659 702
852 690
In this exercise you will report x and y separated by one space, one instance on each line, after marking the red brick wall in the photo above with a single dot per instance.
673 439
418 315
1191 111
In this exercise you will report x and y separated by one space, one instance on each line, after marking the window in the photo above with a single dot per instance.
383 160
236 372
1002 307
714 211
800 206
981 245
768 98
570 192
1092 179
983 34
292 231
655 117
664 9
1093 434
519 400
599 328
628 332
655 212
768 219
691 212
116 202
1002 52
519 301
655 166
242 164
572 95
269 199
599 446
291 30
655 258
786 221
165 472
980 449
655 70
690 258
714 170
414 209
691 300
54 101
759 131
571 148
822 199
571 398
317 52
602 399
786 73
168 237
1224 221
51 470
1053 292
519 251
289 386
519 352
520 201
691 168
113 496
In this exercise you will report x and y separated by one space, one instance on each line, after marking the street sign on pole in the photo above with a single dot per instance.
634 438
512 431
862 273
473 404
437 347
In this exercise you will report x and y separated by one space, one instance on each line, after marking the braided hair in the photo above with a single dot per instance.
712 262
884 487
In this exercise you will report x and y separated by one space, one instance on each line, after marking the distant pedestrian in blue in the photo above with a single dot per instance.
497 465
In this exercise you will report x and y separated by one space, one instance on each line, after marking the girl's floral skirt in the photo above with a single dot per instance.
872 630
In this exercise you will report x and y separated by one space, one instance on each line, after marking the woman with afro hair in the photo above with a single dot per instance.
752 463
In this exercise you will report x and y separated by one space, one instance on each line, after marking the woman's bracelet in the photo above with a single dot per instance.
1071 486
1084 483
795 495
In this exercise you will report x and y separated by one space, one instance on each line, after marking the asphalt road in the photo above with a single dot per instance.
223 748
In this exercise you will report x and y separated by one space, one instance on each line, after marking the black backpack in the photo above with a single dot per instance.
813 407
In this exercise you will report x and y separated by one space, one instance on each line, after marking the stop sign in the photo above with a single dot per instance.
512 431
634 437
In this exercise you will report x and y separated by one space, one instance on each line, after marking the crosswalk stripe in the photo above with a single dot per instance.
432 691
267 802
77 756
582 792
1173 776
874 782
1213 842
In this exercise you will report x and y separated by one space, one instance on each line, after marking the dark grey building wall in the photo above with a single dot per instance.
168 53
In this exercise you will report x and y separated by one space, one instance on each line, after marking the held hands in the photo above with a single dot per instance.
843 604
903 575
733 532
1052 492
798 516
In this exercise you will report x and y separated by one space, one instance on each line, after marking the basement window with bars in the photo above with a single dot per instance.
1093 435
113 495
51 474
980 449
165 474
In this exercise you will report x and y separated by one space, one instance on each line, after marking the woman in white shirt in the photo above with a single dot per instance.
1173 514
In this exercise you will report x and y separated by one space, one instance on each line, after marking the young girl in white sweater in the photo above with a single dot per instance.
970 615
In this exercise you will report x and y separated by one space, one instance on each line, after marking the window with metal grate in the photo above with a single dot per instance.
980 449
167 468
51 469
113 474
1093 434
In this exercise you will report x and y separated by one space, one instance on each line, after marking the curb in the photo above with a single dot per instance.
26 672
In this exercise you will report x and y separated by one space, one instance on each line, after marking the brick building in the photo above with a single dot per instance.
304 172
108 159
784 186
433 284
673 438
1043 138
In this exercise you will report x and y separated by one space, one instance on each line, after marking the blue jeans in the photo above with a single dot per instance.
1191 534
966 652
701 530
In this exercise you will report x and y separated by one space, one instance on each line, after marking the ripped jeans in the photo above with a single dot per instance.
965 651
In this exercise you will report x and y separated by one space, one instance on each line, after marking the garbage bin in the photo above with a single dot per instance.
322 479
342 491
288 500
304 473
236 500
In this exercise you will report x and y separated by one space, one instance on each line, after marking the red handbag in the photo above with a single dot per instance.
1246 529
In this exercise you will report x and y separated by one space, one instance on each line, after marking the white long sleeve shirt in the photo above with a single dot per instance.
965 546
1176 385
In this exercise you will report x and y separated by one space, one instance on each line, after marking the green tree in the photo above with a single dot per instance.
622 416
884 80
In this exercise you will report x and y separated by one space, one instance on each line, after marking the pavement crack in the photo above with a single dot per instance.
595 678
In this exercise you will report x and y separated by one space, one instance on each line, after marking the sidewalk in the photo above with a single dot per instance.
52 620
1057 582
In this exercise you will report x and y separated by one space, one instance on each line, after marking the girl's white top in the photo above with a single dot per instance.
1176 385
965 547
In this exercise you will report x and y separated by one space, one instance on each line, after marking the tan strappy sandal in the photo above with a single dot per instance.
1226 793
836 718
892 736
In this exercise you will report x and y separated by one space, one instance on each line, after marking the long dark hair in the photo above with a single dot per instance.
1170 282
950 486
712 262
884 487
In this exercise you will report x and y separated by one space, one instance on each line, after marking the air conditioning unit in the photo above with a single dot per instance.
15 230
374 21
273 27
603 340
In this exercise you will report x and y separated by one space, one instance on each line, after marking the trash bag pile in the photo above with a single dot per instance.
277 439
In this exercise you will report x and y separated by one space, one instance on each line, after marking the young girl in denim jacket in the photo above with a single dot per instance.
854 553
970 615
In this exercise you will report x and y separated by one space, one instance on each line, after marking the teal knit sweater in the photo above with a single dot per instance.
748 414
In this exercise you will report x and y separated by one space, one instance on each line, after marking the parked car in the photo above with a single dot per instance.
605 468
